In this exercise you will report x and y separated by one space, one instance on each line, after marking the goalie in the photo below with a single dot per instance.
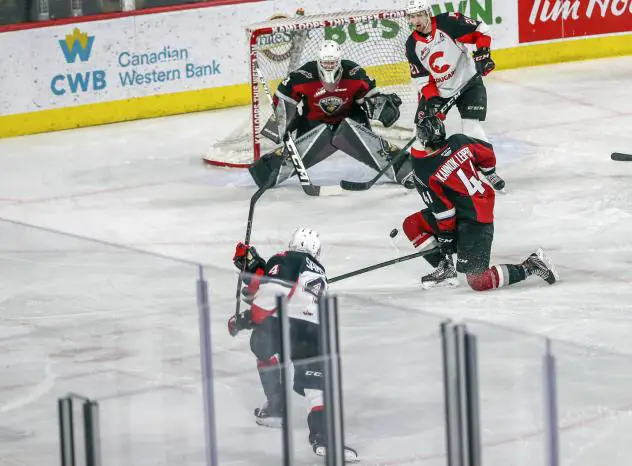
338 101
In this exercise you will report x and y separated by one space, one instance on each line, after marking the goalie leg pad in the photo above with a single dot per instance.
359 142
313 146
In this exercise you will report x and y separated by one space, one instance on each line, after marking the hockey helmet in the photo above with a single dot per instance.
431 132
305 240
329 64
419 13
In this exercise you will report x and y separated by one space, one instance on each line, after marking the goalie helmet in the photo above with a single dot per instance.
329 65
305 240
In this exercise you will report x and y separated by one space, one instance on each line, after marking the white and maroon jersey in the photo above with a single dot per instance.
440 63
299 277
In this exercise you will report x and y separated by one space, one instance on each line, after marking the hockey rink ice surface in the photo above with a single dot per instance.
121 327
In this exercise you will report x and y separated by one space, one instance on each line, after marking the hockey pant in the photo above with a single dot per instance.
474 243
350 136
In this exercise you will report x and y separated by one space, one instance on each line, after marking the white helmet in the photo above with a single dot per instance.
329 64
418 6
305 240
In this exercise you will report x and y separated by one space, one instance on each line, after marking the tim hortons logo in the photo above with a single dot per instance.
557 19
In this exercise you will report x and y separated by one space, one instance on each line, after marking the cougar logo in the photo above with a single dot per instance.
424 53
330 105
439 69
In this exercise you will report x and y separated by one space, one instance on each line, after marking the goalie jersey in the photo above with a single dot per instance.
449 184
440 63
299 277
303 85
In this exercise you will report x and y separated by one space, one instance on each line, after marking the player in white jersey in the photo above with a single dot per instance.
297 274
441 64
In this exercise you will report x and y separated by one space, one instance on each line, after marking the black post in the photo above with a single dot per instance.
450 393
550 406
473 401
66 431
91 433
286 378
332 393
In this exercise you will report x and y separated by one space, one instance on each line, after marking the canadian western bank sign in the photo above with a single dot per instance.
164 64
77 45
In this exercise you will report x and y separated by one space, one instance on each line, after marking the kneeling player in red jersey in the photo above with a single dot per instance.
459 213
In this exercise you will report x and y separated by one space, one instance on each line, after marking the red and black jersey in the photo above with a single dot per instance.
296 275
303 85
440 63
449 183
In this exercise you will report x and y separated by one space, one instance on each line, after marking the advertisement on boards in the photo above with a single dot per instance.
541 20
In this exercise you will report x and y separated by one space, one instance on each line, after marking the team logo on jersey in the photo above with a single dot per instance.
424 53
307 74
353 71
331 104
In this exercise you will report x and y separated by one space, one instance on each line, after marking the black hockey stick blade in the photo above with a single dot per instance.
364 185
620 157
382 264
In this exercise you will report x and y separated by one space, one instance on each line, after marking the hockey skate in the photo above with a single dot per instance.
542 266
271 413
443 275
319 445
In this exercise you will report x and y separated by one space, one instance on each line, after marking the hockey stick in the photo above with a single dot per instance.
364 185
620 157
251 213
301 172
382 264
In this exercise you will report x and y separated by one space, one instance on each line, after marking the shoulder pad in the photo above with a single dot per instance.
307 72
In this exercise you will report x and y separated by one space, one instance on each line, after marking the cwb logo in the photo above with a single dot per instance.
77 45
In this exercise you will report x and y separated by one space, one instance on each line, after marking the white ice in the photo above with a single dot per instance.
121 327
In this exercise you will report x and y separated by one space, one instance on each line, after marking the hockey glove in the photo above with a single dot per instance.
247 259
447 242
429 108
239 322
483 61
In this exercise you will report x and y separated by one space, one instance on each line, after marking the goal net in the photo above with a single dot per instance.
373 39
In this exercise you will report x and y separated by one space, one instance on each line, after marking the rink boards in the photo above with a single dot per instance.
150 63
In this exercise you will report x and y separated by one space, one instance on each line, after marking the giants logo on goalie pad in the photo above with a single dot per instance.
331 104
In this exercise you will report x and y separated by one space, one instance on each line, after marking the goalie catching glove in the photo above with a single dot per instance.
383 107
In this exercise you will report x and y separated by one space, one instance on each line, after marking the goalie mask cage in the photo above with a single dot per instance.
373 39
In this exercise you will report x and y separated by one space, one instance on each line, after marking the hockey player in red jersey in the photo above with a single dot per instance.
297 274
441 64
459 213
328 104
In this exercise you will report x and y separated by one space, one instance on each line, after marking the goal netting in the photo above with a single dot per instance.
373 39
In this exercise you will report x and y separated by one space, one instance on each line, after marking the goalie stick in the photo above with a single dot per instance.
251 213
364 185
382 264
301 172
620 157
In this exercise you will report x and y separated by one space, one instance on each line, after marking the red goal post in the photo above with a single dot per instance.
375 39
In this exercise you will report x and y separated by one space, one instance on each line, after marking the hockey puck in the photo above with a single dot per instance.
393 233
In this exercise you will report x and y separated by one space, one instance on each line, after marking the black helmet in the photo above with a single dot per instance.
431 132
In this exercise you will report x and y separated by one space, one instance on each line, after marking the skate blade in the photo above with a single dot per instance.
448 283
549 263
272 422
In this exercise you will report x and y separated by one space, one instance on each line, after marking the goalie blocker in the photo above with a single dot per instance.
338 100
